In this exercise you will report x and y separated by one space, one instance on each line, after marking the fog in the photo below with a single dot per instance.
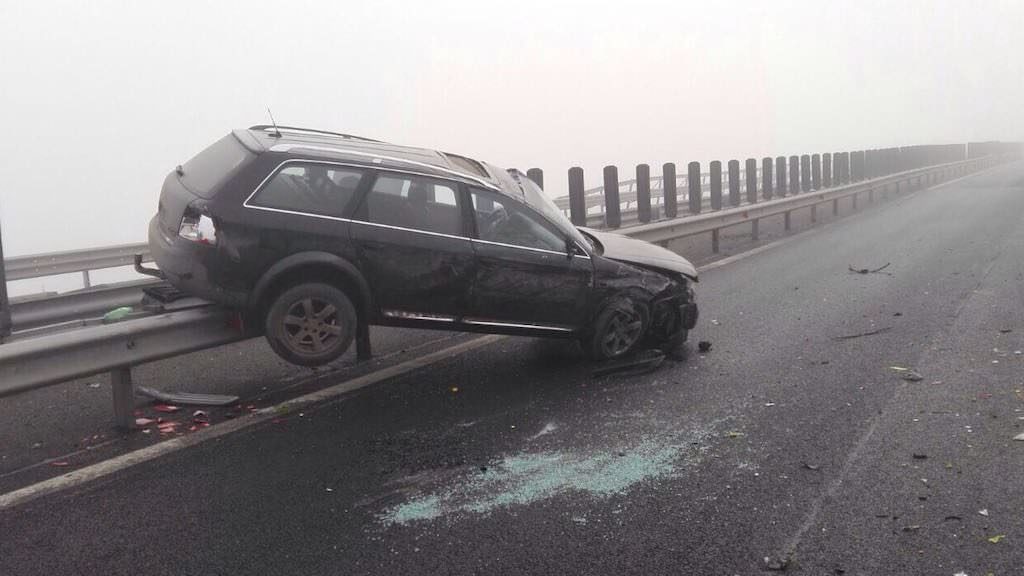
101 99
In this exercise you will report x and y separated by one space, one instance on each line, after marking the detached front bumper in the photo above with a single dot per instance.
183 263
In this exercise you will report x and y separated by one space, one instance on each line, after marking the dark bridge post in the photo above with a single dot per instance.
751 170
816 172
612 211
734 182
794 174
780 175
5 305
577 198
826 169
766 177
643 193
716 185
537 175
694 195
668 189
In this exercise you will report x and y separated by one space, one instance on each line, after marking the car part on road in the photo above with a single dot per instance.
187 398
311 324
869 271
862 334
704 346
641 363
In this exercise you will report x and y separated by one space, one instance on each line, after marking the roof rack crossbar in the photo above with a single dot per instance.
310 130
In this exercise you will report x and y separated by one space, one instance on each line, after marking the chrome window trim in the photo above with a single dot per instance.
542 250
514 325
379 157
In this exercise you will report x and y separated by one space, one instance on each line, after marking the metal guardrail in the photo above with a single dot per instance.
72 261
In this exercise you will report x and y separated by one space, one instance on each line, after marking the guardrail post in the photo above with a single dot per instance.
537 175
826 169
5 306
816 172
767 181
857 166
124 397
794 174
577 197
694 194
612 210
841 168
643 193
780 175
805 173
668 189
734 182
751 170
716 185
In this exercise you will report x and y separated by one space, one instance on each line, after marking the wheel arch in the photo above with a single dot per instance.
309 267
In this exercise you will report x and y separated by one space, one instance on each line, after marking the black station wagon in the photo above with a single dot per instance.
317 235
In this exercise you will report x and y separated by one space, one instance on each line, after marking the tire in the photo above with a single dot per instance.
618 328
311 324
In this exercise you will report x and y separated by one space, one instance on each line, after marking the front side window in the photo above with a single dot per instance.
501 220
415 202
310 189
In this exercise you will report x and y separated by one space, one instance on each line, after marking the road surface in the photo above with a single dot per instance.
793 444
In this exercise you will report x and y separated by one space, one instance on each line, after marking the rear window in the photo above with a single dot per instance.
208 169
312 188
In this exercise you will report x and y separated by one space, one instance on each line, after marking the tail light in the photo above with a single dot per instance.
197 228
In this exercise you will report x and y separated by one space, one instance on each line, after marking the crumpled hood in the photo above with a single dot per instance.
633 251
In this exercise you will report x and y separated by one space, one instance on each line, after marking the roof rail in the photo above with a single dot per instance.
266 127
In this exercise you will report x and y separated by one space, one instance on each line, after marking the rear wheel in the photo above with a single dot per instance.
311 324
617 330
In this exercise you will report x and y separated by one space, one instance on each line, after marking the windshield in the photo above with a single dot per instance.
540 201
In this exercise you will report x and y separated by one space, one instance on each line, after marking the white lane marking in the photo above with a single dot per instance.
108 467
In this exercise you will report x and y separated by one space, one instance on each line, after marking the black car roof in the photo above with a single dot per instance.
319 144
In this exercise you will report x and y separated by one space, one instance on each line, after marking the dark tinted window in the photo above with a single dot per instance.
501 220
206 170
310 188
414 202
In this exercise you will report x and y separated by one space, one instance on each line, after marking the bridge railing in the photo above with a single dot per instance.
673 193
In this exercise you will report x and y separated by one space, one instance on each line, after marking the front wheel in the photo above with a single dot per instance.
311 324
617 330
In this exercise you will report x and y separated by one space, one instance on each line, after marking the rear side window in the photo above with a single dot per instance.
415 202
204 172
311 188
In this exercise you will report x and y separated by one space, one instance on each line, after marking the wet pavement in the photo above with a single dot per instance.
787 446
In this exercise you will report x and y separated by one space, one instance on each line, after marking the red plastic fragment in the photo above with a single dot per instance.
140 422
166 408
60 464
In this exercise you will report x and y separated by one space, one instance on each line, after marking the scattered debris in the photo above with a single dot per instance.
869 271
93 385
1005 330
997 539
143 422
862 334
704 346
734 434
1019 437
912 528
187 398
898 314
899 368
60 464
200 417
920 456
454 389
911 376
642 363
776 564
814 467
983 511
117 314
715 322
769 404
166 408
952 517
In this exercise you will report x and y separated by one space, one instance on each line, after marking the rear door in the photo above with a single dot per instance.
413 248
525 275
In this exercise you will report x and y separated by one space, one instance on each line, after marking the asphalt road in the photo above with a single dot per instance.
786 441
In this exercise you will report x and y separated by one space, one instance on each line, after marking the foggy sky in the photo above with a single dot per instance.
101 99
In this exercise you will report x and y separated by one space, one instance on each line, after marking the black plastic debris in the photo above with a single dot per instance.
869 270
640 363
704 346
863 334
